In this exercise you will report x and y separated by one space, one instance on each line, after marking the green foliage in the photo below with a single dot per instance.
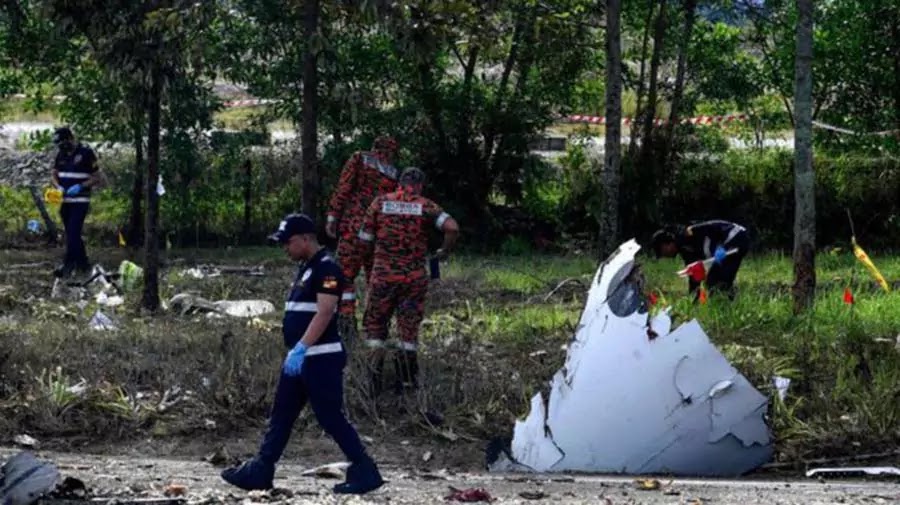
39 140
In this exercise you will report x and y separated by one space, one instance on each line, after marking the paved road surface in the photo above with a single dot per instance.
138 477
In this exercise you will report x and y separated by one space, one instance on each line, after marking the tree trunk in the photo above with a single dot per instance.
804 175
690 9
895 39
609 222
310 190
659 33
52 232
645 191
497 110
464 133
136 218
635 126
248 194
150 299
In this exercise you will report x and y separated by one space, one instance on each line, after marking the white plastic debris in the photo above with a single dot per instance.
25 441
330 471
245 308
109 301
867 470
781 385
186 303
200 273
629 400
102 322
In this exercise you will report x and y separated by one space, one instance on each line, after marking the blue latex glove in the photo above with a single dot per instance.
74 190
719 255
293 363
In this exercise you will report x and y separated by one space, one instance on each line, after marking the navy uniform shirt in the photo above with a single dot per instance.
699 241
76 168
321 274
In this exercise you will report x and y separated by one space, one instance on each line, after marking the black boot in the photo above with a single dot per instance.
362 477
252 475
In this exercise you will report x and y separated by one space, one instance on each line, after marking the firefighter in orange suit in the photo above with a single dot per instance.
366 175
396 230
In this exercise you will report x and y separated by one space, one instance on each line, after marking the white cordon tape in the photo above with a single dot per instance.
701 120
580 118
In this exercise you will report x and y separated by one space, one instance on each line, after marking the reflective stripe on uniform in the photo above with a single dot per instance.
73 175
76 199
441 220
734 232
300 307
348 297
409 346
375 344
367 237
324 349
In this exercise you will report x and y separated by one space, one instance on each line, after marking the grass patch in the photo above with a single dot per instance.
17 110
241 118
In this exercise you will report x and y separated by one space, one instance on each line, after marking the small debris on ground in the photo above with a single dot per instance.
855 471
175 490
470 495
427 456
647 484
70 488
219 458
25 441
329 471
533 495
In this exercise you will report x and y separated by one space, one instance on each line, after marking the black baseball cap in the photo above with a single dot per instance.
293 224
660 237
61 134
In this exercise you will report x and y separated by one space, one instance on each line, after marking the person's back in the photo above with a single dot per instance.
399 224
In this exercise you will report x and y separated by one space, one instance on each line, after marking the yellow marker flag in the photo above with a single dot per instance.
122 240
864 259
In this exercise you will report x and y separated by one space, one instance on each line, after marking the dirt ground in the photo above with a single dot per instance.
136 477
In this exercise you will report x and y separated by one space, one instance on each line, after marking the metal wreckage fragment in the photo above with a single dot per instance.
636 397
24 479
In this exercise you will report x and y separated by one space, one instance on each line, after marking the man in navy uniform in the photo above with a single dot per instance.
709 239
75 172
313 369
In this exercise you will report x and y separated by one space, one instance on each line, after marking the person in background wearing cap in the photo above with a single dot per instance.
710 239
366 175
396 230
74 173
313 368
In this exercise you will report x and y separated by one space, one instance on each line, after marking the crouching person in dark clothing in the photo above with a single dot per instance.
313 369
701 241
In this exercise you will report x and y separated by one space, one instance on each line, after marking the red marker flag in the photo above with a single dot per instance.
848 296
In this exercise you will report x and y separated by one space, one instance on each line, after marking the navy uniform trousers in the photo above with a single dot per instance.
73 216
321 384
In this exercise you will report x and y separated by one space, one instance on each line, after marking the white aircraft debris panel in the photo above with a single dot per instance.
634 397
